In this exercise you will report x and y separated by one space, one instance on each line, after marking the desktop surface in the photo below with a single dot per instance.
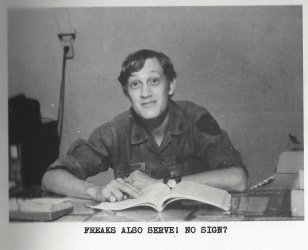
259 204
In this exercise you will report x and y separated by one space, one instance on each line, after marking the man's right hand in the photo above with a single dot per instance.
115 190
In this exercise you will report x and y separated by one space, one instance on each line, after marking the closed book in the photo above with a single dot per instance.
39 209
299 181
297 202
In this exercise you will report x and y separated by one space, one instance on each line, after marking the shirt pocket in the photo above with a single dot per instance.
133 166
121 169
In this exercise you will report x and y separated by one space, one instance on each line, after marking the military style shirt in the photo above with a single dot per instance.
193 143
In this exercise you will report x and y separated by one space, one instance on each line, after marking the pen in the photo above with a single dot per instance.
264 182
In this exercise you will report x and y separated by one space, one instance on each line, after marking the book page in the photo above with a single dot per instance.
153 196
199 192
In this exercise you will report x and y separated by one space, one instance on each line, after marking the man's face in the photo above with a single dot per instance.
148 90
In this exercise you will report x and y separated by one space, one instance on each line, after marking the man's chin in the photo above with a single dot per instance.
149 115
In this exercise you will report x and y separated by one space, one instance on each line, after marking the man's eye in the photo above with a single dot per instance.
155 81
134 84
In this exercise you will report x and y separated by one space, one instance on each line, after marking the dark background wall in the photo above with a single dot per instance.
243 63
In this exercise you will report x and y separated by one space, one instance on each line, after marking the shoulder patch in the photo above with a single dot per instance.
207 124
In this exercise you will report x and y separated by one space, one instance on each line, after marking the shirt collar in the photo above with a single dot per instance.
177 124
138 132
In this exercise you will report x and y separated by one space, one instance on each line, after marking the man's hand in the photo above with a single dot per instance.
140 180
116 190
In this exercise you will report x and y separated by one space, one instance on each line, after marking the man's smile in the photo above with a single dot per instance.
148 104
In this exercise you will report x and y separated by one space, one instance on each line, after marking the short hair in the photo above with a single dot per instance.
135 62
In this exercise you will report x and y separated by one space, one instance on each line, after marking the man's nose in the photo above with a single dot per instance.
146 90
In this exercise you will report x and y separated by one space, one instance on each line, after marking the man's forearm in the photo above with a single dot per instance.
230 179
62 182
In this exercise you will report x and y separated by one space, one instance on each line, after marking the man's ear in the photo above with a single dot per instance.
171 87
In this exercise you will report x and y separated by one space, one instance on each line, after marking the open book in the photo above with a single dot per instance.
159 195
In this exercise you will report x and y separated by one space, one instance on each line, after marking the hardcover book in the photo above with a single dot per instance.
39 209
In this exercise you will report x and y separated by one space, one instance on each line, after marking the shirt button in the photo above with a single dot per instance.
162 161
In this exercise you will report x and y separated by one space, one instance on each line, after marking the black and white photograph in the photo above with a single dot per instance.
176 121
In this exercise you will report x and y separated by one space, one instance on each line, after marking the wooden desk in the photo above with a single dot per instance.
263 204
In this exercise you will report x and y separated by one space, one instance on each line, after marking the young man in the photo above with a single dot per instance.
157 138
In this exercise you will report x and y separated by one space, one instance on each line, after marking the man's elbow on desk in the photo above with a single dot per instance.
61 182
49 179
239 180
232 179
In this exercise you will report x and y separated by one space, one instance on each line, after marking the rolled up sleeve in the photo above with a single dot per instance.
86 158
220 153
214 145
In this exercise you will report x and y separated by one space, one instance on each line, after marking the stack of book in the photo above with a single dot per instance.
290 175
297 195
